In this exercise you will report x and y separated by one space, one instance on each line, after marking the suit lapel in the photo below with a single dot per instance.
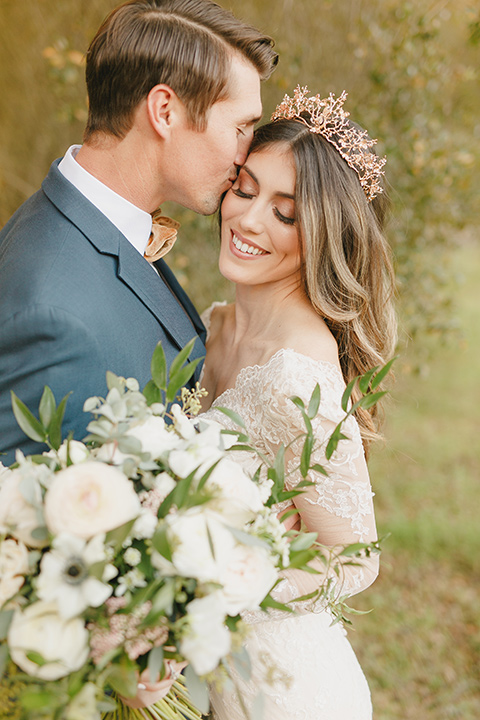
178 316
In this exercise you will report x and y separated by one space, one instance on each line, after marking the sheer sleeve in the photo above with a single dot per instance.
339 506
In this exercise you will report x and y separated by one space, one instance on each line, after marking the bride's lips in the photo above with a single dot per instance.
243 248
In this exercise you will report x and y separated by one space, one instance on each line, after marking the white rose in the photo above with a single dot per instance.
192 536
89 499
17 516
154 436
206 640
62 643
13 567
247 578
239 497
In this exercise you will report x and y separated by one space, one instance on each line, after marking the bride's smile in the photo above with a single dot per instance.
260 242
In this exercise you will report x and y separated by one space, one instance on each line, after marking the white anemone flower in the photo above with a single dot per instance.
65 574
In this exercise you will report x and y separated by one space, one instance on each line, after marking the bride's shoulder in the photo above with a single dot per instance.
216 315
311 339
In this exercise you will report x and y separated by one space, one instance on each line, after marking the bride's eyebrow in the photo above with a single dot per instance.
289 196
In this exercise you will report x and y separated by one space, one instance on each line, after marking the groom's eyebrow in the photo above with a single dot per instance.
289 196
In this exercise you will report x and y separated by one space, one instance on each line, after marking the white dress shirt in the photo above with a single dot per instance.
134 223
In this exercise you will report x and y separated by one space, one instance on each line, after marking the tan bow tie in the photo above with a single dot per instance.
162 237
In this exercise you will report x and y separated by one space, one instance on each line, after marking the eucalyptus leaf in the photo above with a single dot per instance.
314 403
158 367
155 663
243 664
3 658
347 393
181 358
180 379
161 544
303 541
298 402
37 698
306 455
122 677
55 426
369 400
335 438
32 427
258 707
46 407
382 373
197 690
246 538
5 620
364 381
152 393
232 415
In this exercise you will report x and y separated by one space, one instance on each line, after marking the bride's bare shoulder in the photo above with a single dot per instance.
312 337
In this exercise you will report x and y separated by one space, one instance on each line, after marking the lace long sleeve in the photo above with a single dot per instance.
338 507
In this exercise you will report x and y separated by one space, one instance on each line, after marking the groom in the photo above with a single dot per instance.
174 92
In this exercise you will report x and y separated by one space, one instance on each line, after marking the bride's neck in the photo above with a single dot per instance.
262 313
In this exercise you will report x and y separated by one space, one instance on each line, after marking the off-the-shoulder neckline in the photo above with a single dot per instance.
249 368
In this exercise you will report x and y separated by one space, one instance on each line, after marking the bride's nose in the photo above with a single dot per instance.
252 218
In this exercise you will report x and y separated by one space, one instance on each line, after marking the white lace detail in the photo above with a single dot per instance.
326 680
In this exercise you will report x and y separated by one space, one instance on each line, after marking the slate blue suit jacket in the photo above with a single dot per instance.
76 300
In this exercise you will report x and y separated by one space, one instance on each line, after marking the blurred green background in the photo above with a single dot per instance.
412 73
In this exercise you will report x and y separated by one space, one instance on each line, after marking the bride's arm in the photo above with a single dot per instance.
337 507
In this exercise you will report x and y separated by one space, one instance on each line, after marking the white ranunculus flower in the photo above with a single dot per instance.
192 536
64 574
154 436
13 568
207 639
17 516
88 499
247 578
238 497
62 643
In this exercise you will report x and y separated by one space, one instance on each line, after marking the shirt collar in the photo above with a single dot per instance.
134 223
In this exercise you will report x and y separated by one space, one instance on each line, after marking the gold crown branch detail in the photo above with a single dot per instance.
327 117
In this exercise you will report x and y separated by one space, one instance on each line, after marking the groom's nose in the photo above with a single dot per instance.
243 144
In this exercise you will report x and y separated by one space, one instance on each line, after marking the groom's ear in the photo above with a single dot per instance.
165 109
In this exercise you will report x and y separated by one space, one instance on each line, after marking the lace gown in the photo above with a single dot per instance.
303 666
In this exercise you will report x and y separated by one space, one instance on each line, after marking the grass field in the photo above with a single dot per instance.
420 647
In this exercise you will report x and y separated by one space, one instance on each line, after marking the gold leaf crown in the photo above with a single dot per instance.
328 118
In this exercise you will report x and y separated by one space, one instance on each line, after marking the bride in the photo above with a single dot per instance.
301 238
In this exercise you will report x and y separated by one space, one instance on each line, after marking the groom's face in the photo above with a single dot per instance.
206 163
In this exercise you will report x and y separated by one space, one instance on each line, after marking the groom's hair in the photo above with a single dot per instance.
186 44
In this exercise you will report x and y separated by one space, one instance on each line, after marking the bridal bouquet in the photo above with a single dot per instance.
133 551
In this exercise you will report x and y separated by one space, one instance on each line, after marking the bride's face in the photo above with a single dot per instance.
259 237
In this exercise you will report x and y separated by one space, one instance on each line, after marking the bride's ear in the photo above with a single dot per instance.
165 109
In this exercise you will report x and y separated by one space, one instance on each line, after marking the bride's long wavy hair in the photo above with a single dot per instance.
346 261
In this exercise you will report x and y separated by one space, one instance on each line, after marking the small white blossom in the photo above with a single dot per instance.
132 556
131 580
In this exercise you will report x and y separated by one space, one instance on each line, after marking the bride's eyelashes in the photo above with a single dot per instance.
248 196
284 218
239 193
